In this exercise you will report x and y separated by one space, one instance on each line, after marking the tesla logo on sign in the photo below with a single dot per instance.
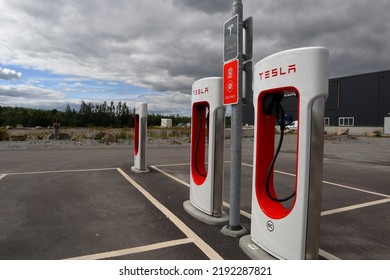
230 82
230 39
230 27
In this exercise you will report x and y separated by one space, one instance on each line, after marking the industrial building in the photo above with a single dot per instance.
359 100
354 101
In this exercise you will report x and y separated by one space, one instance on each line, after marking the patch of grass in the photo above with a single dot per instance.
4 135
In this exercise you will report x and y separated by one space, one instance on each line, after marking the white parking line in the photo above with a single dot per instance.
324 213
330 183
227 205
170 176
353 207
191 236
356 189
322 253
289 174
328 255
134 250
59 171
172 164
206 249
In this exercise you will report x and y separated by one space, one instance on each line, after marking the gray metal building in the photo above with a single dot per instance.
358 100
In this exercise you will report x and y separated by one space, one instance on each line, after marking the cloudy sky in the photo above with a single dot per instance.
59 52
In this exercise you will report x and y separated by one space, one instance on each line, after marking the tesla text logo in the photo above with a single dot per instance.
279 71
200 91
270 226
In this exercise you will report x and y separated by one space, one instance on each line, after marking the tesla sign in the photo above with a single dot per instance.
230 39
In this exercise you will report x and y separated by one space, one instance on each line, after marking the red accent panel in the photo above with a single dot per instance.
230 82
265 146
198 142
136 134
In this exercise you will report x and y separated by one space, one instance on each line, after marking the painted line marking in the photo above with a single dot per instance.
171 176
134 250
2 176
331 183
329 212
242 212
328 255
354 207
172 164
227 205
322 253
356 189
212 254
206 249
324 213
61 171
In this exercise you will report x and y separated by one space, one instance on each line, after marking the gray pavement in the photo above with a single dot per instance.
84 202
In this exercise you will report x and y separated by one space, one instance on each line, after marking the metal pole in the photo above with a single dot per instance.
234 227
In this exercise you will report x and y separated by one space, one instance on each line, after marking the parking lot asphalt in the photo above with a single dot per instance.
86 203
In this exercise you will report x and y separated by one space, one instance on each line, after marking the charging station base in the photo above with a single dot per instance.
252 250
136 170
203 217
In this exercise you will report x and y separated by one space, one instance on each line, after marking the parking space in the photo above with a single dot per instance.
345 210
72 214
354 219
87 204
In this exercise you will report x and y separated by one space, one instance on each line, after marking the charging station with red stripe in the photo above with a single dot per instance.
207 148
140 131
287 226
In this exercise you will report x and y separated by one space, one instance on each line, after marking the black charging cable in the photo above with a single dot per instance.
200 108
278 111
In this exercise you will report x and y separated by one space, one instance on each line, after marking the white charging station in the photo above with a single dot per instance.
207 150
140 130
289 232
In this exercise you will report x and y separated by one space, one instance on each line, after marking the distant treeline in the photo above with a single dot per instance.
89 115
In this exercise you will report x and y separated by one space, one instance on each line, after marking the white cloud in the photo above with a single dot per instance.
29 92
165 103
29 96
8 74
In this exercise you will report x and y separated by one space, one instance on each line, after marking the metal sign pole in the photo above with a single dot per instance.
234 228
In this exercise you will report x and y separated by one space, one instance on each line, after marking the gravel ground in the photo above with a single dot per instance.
355 148
374 150
365 149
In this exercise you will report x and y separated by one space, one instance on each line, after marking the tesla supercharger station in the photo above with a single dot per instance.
289 232
207 150
140 129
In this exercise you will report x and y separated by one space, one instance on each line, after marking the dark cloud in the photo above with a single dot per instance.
352 30
209 7
166 45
